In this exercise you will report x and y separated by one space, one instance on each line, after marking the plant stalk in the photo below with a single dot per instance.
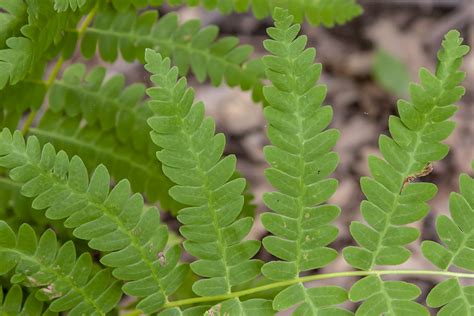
315 277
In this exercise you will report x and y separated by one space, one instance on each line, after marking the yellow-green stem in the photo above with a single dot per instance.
315 277
57 67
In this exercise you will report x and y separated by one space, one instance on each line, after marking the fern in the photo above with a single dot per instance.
62 278
12 17
300 158
457 233
189 46
12 303
101 250
116 133
392 199
98 146
191 158
113 222
64 5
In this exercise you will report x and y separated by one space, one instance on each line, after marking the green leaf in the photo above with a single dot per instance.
415 143
13 303
203 182
380 297
443 293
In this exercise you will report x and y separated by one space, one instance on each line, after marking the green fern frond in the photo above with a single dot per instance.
457 234
124 161
188 45
38 40
301 158
114 222
191 157
12 304
12 17
67 281
393 201
106 102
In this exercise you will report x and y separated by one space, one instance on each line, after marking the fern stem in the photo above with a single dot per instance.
57 67
315 277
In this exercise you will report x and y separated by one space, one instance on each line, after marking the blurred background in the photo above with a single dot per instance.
367 65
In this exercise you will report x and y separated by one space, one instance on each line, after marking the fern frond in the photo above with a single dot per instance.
30 50
301 158
113 222
457 234
191 157
187 44
124 161
105 102
62 278
393 201
12 17
12 303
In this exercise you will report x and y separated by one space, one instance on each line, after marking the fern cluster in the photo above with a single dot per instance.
87 163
